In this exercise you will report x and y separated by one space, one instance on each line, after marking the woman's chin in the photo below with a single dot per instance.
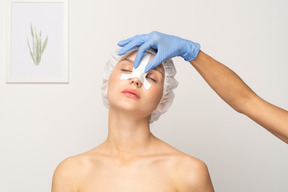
127 107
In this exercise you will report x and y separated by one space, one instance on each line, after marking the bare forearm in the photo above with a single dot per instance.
227 84
269 116
233 90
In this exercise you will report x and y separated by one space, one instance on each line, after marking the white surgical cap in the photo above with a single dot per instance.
170 83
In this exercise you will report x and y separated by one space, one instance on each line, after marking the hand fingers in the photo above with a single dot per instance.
137 41
157 60
141 51
129 47
125 41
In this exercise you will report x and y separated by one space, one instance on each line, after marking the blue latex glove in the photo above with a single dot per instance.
167 46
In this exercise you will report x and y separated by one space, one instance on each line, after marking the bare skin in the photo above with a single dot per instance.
163 169
132 158
232 89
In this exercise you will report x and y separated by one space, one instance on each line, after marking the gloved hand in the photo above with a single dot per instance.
167 46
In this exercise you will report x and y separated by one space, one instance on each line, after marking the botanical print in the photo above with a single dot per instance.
38 47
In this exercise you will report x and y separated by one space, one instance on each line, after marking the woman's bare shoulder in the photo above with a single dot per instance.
190 172
71 171
67 174
193 175
72 163
79 161
176 153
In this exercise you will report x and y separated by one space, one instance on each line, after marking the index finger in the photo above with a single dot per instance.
141 51
157 60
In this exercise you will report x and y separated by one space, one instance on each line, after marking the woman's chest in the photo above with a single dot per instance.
130 178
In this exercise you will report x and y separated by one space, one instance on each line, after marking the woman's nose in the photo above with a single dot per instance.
136 81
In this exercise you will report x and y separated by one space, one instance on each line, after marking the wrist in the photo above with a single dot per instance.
192 50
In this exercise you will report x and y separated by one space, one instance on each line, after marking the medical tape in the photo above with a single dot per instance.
140 72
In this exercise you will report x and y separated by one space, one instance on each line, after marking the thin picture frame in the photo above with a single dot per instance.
37 41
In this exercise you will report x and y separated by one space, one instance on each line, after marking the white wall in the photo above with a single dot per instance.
42 124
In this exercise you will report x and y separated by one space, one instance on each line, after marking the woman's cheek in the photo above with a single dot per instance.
115 77
155 92
113 80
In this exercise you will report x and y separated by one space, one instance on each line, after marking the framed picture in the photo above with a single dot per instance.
37 41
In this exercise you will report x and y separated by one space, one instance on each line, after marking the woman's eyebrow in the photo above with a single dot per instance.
157 69
126 59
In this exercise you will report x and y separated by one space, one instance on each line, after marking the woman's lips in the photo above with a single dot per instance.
131 93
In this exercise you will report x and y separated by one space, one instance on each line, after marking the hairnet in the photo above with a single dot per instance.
170 83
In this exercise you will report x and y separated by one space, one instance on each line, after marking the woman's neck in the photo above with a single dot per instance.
128 135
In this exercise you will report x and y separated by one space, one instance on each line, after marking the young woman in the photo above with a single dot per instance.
132 158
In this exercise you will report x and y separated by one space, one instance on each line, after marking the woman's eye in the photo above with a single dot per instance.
126 70
152 79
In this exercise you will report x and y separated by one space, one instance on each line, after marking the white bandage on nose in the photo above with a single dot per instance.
140 72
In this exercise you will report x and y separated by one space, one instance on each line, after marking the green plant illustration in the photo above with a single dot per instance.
38 47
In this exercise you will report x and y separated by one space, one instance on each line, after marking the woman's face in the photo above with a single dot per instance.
130 94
